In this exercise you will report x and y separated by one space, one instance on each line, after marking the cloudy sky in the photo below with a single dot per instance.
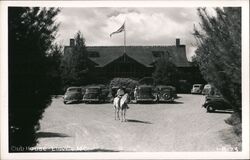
144 26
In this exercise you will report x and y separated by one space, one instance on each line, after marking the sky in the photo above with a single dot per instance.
144 26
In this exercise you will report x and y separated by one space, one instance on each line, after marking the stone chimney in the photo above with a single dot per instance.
178 42
72 42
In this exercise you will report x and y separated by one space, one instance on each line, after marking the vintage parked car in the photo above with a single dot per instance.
214 101
197 89
73 94
165 93
94 94
145 93
174 91
206 90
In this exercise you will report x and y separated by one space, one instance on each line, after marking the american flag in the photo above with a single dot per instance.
121 29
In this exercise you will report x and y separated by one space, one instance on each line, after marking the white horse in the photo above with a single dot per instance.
123 105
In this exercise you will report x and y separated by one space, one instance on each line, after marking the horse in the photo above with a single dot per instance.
122 106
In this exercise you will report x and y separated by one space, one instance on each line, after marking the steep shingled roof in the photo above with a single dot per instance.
141 54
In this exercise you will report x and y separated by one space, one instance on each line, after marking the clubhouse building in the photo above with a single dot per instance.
137 62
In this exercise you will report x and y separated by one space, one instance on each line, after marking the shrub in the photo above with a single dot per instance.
126 82
235 121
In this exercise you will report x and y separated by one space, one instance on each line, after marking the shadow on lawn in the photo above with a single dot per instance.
50 135
174 102
138 121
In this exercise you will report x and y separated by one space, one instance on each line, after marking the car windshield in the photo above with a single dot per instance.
207 86
196 86
74 90
145 90
164 89
215 92
92 90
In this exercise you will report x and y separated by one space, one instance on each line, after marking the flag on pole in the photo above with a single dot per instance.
121 29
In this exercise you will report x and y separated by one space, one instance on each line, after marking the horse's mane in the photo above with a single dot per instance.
123 99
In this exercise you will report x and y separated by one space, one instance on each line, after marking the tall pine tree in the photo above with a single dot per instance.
166 73
75 65
31 32
219 52
54 62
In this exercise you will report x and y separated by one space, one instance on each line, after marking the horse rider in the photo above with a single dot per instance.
120 93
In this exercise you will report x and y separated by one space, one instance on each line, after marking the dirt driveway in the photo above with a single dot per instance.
182 126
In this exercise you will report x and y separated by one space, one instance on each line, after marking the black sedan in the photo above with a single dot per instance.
145 93
165 93
94 94
73 94
216 102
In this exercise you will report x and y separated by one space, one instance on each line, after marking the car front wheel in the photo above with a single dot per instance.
210 108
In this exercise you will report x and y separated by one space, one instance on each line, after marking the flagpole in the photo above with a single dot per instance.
125 36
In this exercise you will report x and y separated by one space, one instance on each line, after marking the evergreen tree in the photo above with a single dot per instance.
194 61
31 32
75 65
219 52
165 72
54 62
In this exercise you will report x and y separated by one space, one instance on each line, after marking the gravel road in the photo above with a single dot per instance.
181 126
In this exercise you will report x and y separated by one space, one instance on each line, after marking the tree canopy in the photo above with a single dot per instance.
219 51
31 33
54 62
166 72
75 65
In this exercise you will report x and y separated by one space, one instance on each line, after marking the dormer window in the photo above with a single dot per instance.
93 54
157 53
168 54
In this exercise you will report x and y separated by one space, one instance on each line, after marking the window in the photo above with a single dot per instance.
168 54
93 54
157 53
